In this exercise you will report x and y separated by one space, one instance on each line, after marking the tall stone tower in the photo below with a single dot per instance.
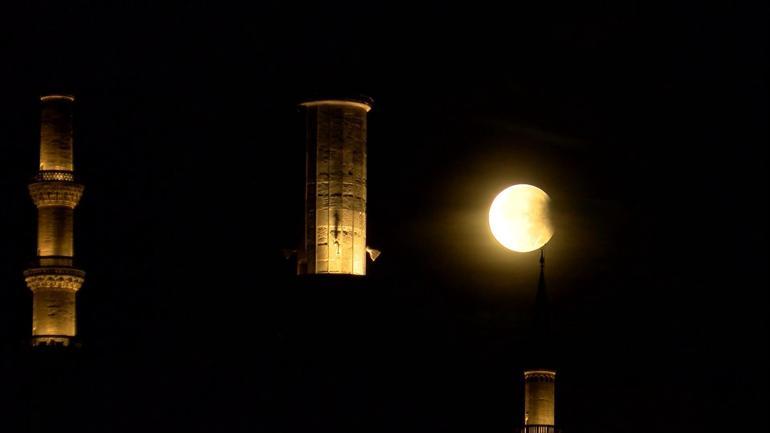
539 401
540 382
335 188
53 278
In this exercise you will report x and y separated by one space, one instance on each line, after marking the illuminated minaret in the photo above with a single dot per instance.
335 188
540 382
53 278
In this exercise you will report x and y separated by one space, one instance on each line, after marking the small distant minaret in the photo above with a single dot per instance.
53 278
335 188
540 382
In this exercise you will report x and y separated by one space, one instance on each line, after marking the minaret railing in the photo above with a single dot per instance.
536 428
54 176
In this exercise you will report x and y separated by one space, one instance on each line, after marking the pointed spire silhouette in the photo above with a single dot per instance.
542 322
540 339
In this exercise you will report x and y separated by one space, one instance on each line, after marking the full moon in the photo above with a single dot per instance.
520 218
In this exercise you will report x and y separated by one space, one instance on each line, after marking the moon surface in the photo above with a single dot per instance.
520 218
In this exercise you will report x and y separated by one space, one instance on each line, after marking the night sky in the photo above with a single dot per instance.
647 125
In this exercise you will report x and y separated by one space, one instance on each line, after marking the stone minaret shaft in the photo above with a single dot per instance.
53 278
540 382
539 401
335 189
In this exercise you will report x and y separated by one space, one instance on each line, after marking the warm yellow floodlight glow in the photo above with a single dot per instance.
520 218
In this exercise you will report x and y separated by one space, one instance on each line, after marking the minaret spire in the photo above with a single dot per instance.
539 379
542 319
53 278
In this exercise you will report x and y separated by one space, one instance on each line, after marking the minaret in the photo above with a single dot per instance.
335 188
53 278
540 382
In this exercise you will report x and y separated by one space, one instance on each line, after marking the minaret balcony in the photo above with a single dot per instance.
54 278
51 192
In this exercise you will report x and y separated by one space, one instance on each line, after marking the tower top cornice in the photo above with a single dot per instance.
54 97
362 101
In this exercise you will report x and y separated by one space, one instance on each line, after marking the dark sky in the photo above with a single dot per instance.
647 125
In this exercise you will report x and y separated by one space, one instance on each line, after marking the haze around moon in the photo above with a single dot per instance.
520 218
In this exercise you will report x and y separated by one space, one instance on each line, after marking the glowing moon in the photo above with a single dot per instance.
520 218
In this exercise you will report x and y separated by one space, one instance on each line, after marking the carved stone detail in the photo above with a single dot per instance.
540 376
56 193
54 278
